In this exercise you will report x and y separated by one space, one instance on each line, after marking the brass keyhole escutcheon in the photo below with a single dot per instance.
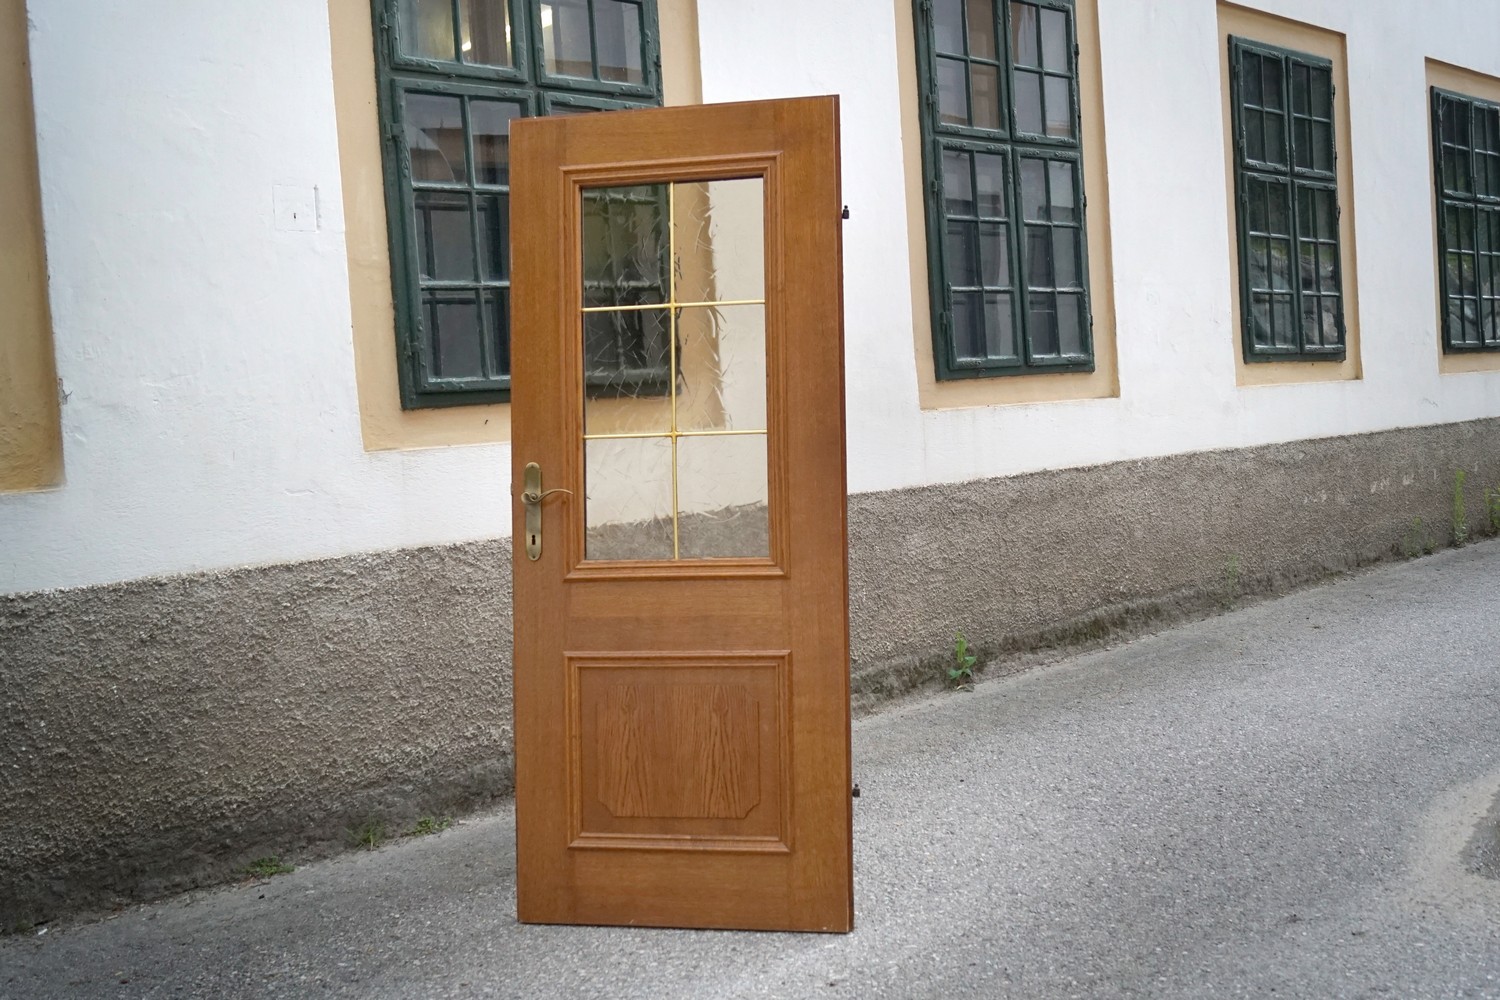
532 496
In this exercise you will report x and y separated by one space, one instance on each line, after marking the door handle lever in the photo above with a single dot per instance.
532 496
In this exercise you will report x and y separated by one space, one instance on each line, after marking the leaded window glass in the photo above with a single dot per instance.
453 75
1291 280
1466 134
1008 259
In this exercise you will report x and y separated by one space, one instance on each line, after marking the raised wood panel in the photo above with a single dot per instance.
678 751
686 751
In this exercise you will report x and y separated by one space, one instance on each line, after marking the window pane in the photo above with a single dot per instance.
445 245
618 26
1307 266
1278 209
1029 103
628 507
1260 319
1033 190
494 238
963 271
1253 124
1322 138
723 492
427 29
453 326
1065 256
1328 270
953 97
948 26
985 81
1281 265
1250 79
435 138
565 38
1043 325
1023 35
1271 71
497 315
990 170
625 245
1301 89
1275 139
968 326
999 327
1039 272
1070 324
1258 250
484 31
1055 40
1059 108
1302 142
1281 319
994 256
958 189
1064 205
982 28
490 121
1322 93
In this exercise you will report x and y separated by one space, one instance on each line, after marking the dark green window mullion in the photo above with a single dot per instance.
594 38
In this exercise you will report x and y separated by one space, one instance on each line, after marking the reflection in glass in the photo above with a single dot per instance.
982 29
628 511
484 31
719 236
625 245
617 27
490 122
722 497
453 320
435 138
675 371
953 96
722 368
565 38
427 29
445 247
1023 31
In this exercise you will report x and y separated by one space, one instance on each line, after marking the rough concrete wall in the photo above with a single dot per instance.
1078 553
161 733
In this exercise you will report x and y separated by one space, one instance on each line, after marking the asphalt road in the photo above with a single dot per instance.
1297 799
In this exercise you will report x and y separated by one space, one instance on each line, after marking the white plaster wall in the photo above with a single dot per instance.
211 415
211 419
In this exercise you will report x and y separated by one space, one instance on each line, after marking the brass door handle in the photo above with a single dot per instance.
532 496
539 497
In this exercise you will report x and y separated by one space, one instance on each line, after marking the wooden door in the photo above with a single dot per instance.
681 605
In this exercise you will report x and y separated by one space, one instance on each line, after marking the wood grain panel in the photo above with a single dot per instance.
678 751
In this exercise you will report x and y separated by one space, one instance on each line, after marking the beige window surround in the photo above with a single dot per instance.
1103 382
1288 34
31 449
1471 84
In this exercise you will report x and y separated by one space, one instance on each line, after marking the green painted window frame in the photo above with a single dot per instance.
1012 147
1291 158
537 92
1467 178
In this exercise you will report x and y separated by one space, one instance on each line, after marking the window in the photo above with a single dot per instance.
1467 151
1004 180
453 74
1291 284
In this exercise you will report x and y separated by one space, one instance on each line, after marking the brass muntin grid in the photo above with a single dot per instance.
673 307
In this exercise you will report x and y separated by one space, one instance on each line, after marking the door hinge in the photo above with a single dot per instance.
845 213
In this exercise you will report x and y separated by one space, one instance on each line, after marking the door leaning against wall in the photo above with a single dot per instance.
681 625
